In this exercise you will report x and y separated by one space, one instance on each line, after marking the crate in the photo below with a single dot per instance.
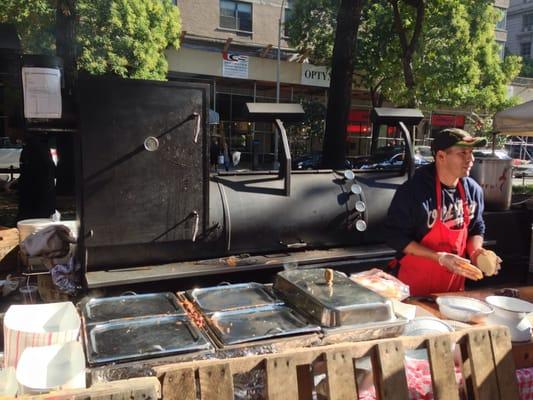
486 362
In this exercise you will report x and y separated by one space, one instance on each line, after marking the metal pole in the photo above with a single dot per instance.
279 50
278 67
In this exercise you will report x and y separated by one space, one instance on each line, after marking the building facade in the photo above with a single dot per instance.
520 27
233 45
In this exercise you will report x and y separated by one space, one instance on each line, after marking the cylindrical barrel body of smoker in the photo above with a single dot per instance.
321 211
494 175
249 213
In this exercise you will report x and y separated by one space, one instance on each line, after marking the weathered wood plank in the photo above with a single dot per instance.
389 371
281 378
482 364
216 382
341 375
442 368
179 385
305 382
503 360
146 388
307 355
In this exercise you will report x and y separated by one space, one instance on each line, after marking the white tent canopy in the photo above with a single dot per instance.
515 121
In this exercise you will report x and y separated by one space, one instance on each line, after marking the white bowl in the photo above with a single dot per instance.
464 309
425 325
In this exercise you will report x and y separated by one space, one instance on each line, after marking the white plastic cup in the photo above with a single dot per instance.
29 294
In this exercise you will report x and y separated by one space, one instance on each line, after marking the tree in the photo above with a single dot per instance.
340 89
123 37
408 42
454 63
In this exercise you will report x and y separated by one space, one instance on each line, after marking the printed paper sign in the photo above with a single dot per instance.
42 92
234 66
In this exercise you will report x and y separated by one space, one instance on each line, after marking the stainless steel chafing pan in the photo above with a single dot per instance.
232 297
341 303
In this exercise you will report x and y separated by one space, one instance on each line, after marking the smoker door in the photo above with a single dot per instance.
132 197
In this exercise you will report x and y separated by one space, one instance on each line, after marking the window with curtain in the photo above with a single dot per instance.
236 15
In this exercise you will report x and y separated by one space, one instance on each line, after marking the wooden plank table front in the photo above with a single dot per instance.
522 351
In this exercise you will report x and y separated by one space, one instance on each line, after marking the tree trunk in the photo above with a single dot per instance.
340 89
409 46
66 49
65 40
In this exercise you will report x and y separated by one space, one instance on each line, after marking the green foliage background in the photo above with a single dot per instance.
123 37
457 62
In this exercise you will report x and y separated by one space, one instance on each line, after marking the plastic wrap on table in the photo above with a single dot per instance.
250 385
382 283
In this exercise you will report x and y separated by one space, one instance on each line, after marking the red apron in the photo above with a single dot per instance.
425 276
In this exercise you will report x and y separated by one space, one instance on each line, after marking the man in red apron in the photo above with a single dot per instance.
435 219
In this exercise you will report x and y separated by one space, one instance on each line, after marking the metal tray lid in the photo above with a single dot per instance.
241 326
142 338
232 297
343 293
97 310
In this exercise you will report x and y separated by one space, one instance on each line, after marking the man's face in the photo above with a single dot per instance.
457 161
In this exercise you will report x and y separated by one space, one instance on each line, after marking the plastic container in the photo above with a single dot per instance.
28 226
464 309
59 366
34 325
29 294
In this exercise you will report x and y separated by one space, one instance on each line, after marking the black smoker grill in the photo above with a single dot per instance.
150 211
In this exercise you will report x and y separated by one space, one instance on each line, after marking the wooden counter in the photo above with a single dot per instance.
522 351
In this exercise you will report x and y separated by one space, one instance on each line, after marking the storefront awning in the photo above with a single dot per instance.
515 121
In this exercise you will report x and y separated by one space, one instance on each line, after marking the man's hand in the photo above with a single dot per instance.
459 265
487 261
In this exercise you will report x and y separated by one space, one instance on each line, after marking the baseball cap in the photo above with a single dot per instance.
455 137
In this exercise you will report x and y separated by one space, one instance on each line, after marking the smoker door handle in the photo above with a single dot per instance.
296 245
196 222
198 126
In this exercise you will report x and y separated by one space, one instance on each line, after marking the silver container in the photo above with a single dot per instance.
494 175
136 339
252 324
232 297
129 306
341 304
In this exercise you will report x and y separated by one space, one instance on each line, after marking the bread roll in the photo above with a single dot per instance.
487 261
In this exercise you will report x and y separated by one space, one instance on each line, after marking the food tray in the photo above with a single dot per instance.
246 325
344 303
125 340
97 310
232 297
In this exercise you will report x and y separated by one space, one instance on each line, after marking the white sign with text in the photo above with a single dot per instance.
42 92
234 66
314 75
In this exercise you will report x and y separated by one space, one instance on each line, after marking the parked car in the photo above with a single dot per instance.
9 158
425 153
313 161
385 161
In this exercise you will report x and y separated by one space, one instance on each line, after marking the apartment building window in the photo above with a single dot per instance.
236 15
287 14
502 22
525 50
527 22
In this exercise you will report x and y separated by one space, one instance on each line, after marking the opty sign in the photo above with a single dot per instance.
314 75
